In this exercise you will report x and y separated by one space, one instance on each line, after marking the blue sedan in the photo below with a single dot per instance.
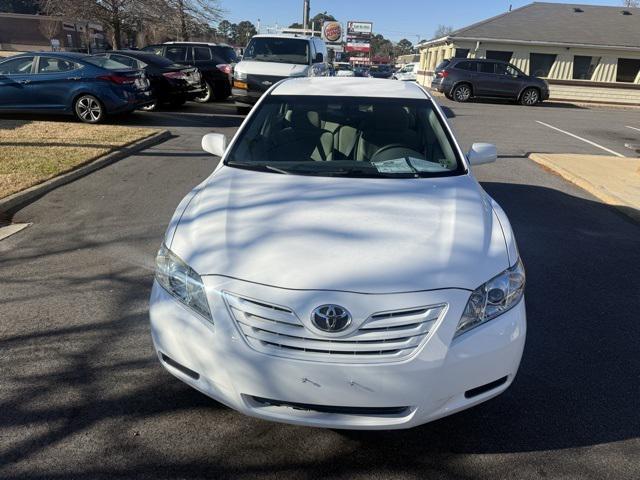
86 86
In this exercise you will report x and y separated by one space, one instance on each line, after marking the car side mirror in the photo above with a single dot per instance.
482 153
319 58
214 143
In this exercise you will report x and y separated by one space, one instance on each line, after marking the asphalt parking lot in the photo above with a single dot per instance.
83 396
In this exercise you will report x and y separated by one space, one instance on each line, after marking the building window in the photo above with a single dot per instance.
461 53
540 64
499 55
628 69
583 67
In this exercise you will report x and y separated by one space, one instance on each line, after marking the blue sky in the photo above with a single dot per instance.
395 19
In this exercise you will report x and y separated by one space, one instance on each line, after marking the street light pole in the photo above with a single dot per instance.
305 13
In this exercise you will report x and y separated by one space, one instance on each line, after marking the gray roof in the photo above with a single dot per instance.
561 23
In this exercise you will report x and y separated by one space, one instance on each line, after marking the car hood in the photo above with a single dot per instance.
342 234
272 69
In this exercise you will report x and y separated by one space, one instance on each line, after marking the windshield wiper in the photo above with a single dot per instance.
256 167
276 169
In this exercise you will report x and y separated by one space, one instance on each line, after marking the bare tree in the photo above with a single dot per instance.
49 28
631 3
442 31
191 14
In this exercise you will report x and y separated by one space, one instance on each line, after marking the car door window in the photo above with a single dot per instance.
487 67
55 65
177 54
17 66
469 66
128 61
507 70
201 54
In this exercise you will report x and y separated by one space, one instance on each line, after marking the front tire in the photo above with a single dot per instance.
530 97
462 93
88 109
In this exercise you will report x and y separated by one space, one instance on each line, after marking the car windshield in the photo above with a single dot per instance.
280 50
105 62
346 136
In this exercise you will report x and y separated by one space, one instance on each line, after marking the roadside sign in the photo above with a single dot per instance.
359 29
332 32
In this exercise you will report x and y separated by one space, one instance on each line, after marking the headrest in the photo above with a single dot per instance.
305 119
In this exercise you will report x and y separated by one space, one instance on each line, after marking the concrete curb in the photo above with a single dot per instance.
605 197
20 199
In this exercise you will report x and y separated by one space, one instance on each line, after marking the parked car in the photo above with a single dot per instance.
408 73
342 267
462 79
215 62
361 72
380 71
271 58
71 83
343 69
170 82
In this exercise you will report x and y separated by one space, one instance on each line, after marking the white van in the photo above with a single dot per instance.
271 58
408 73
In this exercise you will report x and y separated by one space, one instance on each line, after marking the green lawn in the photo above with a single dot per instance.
32 152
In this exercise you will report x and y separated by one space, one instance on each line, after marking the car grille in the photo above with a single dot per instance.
384 336
261 83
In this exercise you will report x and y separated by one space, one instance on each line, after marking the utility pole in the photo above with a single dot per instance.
306 7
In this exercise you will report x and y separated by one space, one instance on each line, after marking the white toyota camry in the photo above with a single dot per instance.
341 267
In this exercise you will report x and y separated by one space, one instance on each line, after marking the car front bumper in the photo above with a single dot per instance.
245 98
443 376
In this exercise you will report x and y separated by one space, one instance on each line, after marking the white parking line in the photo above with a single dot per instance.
633 128
582 139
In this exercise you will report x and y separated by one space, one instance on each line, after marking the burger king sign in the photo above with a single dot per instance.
332 32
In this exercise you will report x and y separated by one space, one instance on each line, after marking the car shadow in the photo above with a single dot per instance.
106 400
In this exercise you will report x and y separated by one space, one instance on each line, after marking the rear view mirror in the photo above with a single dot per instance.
214 143
319 58
482 153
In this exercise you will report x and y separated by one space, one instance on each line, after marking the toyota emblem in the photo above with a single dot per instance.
331 318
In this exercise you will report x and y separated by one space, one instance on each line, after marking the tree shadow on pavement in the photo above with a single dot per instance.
84 397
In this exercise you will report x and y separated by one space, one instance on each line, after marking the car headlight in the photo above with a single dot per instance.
493 298
181 281
239 75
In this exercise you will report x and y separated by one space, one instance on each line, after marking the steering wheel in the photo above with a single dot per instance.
393 151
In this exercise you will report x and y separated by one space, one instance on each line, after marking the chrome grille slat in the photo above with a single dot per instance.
383 336
328 344
259 309
379 321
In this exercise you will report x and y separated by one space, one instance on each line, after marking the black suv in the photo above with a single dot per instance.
215 62
461 79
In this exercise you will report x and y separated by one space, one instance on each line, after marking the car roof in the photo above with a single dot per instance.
210 44
479 60
57 54
350 87
284 35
